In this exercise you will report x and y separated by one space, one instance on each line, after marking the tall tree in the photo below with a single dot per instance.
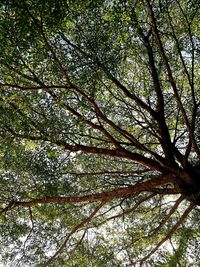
99 133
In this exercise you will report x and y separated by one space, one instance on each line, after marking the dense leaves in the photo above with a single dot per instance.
99 137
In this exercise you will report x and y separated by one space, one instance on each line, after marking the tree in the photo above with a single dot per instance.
99 133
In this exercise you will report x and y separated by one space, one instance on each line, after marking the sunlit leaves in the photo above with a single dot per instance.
99 97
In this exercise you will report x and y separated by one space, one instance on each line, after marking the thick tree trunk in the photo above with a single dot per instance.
189 183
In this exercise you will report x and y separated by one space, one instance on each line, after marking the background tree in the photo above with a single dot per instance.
99 133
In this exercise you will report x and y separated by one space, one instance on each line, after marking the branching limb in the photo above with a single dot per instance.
159 115
130 191
149 163
189 77
171 78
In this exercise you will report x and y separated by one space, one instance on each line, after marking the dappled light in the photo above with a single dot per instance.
99 137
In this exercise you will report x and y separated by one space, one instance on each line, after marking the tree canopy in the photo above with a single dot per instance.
99 136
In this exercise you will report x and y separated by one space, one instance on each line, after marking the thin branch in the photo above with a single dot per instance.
166 218
111 77
107 173
128 211
170 233
78 226
33 88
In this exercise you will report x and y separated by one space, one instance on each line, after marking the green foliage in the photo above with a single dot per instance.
81 115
